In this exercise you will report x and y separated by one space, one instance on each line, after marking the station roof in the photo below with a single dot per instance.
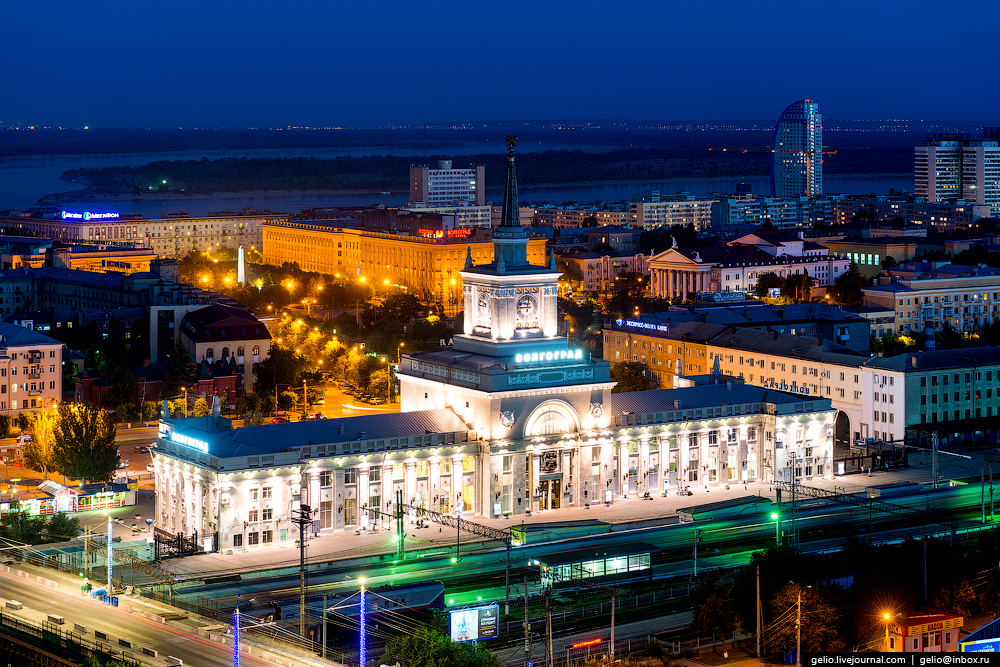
536 527
598 553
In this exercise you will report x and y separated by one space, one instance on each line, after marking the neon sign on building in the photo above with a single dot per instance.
558 355
87 215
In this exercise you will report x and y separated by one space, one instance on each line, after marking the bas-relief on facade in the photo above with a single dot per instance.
510 419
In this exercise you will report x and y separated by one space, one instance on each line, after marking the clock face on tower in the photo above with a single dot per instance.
526 307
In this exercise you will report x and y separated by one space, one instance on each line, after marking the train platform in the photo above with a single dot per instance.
633 511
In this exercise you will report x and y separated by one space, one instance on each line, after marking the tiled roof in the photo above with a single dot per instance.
17 336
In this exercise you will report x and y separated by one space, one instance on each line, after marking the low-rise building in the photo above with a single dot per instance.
924 631
30 370
932 294
599 269
673 211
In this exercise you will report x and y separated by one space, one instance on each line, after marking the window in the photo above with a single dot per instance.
508 463
267 514
252 516
398 471
267 492
268 536
325 478
351 476
254 493
237 540
254 538
468 464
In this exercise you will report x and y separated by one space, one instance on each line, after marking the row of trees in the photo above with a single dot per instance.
962 579
78 441
23 528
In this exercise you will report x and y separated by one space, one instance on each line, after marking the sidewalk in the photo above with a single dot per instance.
662 510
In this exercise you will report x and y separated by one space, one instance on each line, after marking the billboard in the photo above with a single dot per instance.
477 623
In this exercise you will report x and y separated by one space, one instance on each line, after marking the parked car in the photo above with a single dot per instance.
376 400
317 415
123 464
150 468
142 449
278 420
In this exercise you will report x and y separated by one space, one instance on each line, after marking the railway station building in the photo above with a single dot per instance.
511 419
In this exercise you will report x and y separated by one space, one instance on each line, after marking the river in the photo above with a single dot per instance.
23 181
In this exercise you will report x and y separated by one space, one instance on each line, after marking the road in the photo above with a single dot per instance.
175 638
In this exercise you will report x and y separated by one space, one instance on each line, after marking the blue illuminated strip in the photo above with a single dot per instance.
548 356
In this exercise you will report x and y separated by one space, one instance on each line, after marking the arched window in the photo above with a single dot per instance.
225 353
210 353
551 418
239 352
256 350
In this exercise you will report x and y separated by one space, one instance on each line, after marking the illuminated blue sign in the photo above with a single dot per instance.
548 356
180 439
646 325
87 215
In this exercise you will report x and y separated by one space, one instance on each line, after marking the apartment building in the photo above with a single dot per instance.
30 370
447 185
428 266
932 294
795 363
599 269
553 216
680 211
953 392
169 237
466 217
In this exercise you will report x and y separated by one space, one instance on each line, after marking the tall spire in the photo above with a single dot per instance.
509 217
510 239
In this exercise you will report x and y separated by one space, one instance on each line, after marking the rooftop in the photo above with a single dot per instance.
700 396
932 360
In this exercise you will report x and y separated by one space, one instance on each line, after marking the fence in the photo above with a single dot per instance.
71 644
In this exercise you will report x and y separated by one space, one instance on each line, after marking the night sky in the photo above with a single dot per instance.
372 63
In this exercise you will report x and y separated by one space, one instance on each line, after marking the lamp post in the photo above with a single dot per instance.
236 631
110 549
362 631
776 517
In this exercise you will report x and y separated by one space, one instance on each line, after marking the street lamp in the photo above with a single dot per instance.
236 631
776 518
110 549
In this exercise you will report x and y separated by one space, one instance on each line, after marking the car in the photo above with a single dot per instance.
278 420
376 400
318 415
123 464
144 450
150 468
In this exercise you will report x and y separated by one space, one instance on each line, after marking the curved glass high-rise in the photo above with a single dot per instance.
797 161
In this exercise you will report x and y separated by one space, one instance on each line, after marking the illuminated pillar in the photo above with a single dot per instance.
362 633
110 551
236 635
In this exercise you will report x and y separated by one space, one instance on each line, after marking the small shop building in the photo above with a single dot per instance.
925 631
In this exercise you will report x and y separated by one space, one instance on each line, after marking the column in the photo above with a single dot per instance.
410 485
196 522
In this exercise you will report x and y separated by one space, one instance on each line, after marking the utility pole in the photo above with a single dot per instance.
759 614
303 519
527 631
549 657
305 396
614 603
982 495
697 537
798 629
324 624
934 459
506 604
400 533
991 492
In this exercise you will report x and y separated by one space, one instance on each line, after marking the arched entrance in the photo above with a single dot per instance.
552 418
841 435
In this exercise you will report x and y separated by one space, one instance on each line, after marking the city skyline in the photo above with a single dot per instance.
212 71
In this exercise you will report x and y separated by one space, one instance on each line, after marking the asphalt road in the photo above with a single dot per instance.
172 638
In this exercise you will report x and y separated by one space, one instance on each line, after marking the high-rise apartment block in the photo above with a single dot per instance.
797 161
952 166
447 186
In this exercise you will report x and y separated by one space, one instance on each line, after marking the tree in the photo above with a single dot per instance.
201 407
287 400
425 647
178 408
4 426
62 528
85 443
889 261
714 612
797 286
150 410
253 418
630 376
241 406
23 421
179 374
817 614
22 527
39 452
283 366
378 383
766 282
846 289
958 597
121 391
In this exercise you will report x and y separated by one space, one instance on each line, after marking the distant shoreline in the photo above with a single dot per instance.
87 195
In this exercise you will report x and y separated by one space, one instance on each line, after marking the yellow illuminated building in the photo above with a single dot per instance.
427 267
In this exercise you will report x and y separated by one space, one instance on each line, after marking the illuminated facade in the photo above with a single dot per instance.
171 237
510 420
428 267
447 186
952 166
797 161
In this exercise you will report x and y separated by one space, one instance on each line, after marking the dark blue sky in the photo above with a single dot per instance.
370 63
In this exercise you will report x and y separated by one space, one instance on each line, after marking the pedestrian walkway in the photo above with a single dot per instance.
373 546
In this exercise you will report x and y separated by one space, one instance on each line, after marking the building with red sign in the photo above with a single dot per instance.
926 631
